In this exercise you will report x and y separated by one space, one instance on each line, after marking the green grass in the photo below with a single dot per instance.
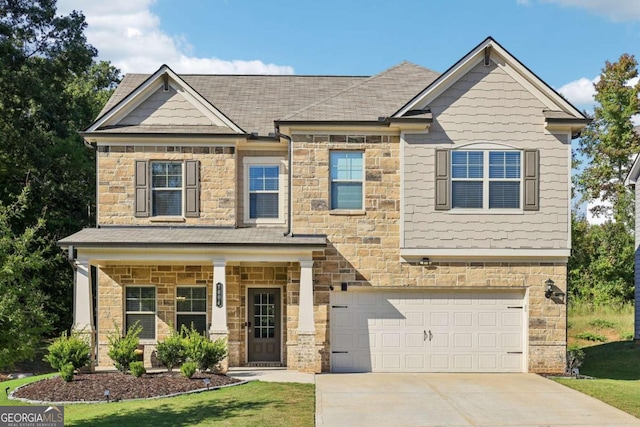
252 404
615 365
612 323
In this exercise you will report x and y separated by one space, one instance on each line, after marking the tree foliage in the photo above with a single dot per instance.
50 88
601 266
23 318
610 143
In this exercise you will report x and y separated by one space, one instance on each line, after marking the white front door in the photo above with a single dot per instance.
427 331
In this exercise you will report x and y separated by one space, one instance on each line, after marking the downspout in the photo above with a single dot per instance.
93 147
289 231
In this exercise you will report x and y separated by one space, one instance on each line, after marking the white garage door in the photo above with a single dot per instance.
407 331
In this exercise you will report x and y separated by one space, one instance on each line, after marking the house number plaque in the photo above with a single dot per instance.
219 295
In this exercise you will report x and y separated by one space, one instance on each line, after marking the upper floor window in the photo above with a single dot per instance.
486 179
347 180
140 307
166 188
263 190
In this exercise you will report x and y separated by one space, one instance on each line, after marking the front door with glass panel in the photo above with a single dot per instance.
263 325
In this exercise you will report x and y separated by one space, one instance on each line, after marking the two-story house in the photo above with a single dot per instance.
409 221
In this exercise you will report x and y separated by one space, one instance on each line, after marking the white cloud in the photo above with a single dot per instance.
580 92
130 35
616 10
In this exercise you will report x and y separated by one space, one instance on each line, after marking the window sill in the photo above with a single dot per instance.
347 212
486 211
258 222
167 219
148 342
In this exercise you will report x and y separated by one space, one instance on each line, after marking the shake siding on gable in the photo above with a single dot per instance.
165 108
486 106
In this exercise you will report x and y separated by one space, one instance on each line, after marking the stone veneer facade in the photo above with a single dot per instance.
363 250
364 247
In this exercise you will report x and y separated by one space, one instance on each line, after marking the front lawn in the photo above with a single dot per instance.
253 404
615 365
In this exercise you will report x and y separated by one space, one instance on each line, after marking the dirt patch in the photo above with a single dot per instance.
91 387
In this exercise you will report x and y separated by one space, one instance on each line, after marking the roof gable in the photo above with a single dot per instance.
490 50
164 99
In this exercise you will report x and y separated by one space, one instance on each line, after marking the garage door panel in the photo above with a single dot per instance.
404 331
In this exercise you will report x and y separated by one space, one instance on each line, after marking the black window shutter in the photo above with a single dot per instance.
192 189
141 189
443 198
531 183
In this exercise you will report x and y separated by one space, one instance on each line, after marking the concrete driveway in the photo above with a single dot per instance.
457 400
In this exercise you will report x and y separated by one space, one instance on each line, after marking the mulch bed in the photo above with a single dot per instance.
91 387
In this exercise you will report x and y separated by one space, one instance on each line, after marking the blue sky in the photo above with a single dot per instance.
565 42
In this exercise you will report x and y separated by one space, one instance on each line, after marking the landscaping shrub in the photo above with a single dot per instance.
122 349
575 358
188 369
68 350
66 372
627 336
137 369
590 336
204 352
171 351
601 324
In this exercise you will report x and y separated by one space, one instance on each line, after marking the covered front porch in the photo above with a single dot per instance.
252 287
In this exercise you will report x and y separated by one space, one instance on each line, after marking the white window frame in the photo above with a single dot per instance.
249 162
193 313
152 189
155 313
485 182
361 181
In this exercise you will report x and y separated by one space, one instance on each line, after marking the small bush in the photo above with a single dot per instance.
65 350
188 369
627 336
171 351
66 372
204 352
590 336
575 358
122 350
602 324
137 369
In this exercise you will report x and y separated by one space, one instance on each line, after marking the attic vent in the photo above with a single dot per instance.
166 83
487 55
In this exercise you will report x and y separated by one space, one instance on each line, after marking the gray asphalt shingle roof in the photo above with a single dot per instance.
161 235
254 102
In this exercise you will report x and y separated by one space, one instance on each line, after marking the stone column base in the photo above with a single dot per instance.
308 358
90 337
223 367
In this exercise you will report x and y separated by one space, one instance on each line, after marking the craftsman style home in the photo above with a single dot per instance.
406 222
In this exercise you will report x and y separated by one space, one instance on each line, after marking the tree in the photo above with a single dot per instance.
50 87
22 256
610 143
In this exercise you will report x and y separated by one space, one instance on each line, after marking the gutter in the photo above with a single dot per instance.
289 231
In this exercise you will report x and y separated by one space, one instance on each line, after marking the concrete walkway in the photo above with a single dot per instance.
457 400
274 375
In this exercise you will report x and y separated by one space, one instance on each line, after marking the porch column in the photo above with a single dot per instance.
306 325
219 328
83 305
308 360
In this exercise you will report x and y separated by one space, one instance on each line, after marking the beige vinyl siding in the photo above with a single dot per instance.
486 106
166 108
